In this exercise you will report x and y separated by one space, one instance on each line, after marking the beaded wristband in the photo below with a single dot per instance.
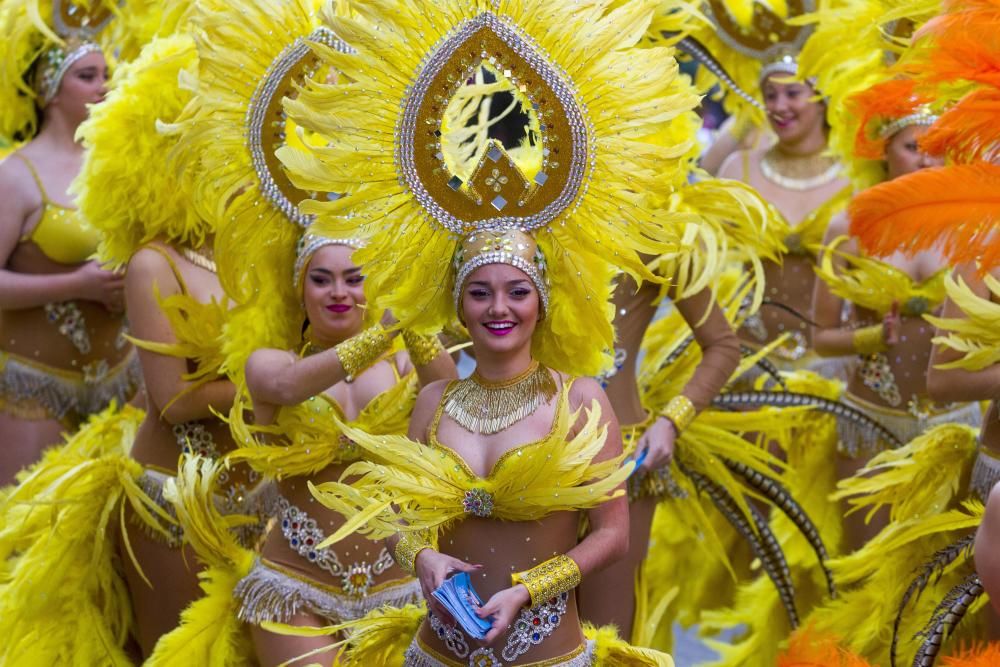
680 410
423 349
869 340
359 352
546 581
407 549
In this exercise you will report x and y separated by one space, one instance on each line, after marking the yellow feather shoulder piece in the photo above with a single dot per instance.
304 439
431 486
875 285
977 335
122 188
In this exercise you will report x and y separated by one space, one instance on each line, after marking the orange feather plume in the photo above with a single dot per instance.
969 131
962 44
955 209
884 102
805 649
980 656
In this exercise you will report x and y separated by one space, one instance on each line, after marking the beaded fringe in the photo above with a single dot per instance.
857 440
985 474
62 394
418 656
269 595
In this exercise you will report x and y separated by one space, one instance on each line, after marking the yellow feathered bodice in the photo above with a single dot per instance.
875 285
313 435
428 486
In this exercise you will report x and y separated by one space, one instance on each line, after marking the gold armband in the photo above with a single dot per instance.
680 410
554 576
423 349
869 340
407 548
359 352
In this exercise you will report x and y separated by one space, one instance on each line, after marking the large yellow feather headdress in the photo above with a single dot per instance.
738 43
123 187
563 190
849 55
231 129
41 41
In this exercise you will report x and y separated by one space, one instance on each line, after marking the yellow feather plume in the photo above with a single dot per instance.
977 335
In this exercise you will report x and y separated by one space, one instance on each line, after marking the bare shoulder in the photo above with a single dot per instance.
732 166
430 395
584 391
148 264
17 186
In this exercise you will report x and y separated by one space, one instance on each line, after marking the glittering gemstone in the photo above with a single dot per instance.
499 202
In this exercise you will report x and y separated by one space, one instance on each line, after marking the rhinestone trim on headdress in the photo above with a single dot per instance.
265 104
308 245
56 62
921 118
417 158
512 247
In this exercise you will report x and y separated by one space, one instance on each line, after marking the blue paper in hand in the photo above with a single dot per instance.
457 595
639 460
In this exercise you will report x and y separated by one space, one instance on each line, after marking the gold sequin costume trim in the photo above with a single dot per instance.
985 473
235 500
33 390
856 441
421 655
273 593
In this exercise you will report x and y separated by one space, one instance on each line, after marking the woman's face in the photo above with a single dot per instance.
333 293
791 110
500 307
903 155
85 83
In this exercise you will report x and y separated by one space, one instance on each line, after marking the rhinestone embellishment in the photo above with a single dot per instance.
478 502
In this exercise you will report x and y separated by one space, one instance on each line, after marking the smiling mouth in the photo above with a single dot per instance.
499 328
338 308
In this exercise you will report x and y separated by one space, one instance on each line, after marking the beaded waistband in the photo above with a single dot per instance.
421 655
274 593
59 392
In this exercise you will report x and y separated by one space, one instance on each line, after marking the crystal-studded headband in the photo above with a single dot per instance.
308 245
785 64
55 62
922 117
512 247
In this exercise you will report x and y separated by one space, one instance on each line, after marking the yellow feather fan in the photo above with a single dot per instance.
598 224
977 335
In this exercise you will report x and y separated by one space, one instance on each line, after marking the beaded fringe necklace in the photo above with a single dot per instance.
482 406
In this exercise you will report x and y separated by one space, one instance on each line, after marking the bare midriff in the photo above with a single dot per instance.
789 284
503 548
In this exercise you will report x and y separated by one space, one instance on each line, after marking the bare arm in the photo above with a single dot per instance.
956 384
164 374
442 367
19 290
987 549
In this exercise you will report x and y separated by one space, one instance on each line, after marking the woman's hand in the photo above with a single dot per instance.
98 284
432 568
504 607
891 324
659 441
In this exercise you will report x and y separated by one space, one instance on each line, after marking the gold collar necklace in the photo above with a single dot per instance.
203 258
483 406
799 173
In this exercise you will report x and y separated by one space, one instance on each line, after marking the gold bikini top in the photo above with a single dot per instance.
62 234
428 486
875 285
307 437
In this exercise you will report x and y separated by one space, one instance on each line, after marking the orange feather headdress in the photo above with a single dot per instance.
807 649
882 110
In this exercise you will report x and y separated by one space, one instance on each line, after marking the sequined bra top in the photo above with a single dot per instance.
308 437
875 285
429 486
61 233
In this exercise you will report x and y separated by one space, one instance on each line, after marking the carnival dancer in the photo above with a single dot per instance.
63 354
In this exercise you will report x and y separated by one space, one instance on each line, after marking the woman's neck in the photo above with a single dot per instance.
57 131
499 366
807 146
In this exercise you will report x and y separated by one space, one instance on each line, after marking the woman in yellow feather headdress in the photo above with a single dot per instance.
63 355
525 250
